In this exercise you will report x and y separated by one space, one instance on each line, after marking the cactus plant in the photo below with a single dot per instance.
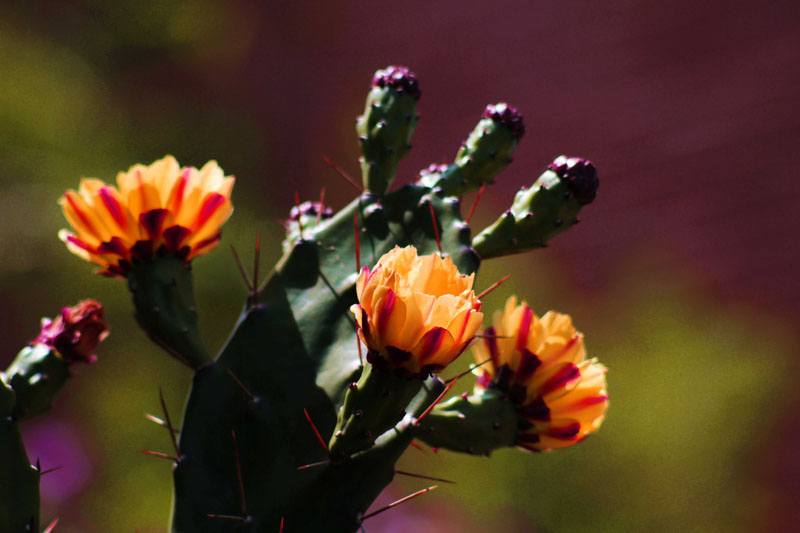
332 369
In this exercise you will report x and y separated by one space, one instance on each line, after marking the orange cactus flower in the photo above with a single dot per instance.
542 364
76 332
415 313
161 208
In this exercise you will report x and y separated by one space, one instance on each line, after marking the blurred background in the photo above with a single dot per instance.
683 274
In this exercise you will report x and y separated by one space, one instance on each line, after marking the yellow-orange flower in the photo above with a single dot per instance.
416 313
542 365
157 208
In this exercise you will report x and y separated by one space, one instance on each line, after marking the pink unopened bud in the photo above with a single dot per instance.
74 334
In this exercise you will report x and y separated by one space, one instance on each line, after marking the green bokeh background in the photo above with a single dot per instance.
699 384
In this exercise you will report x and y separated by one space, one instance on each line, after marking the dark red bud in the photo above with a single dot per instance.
580 175
507 116
399 78
75 333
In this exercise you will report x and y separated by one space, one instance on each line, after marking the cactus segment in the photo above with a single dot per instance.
476 424
36 376
19 484
385 128
164 300
362 418
296 349
541 212
483 155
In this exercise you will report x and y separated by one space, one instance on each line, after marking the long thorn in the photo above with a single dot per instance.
239 383
437 400
161 455
169 422
343 174
358 243
311 465
475 203
51 527
417 446
435 228
242 270
360 355
467 371
228 517
299 214
421 476
255 269
493 286
158 421
43 472
239 475
281 529
316 431
398 502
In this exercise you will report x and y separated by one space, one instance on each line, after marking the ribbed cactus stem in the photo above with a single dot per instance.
483 155
19 482
164 300
385 128
476 424
36 375
542 211
372 405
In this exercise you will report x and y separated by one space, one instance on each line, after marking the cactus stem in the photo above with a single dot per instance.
318 463
168 421
435 228
153 418
52 526
246 391
398 502
475 203
299 221
421 476
161 455
242 270
437 400
316 431
358 245
493 286
242 499
343 174
467 371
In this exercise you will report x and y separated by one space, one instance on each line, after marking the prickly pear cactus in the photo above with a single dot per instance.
332 369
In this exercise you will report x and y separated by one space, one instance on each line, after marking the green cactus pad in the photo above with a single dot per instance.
476 424
36 375
297 350
385 128
164 300
483 155
19 483
541 212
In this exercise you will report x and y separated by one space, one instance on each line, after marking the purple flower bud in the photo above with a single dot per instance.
75 332
580 175
507 116
399 78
